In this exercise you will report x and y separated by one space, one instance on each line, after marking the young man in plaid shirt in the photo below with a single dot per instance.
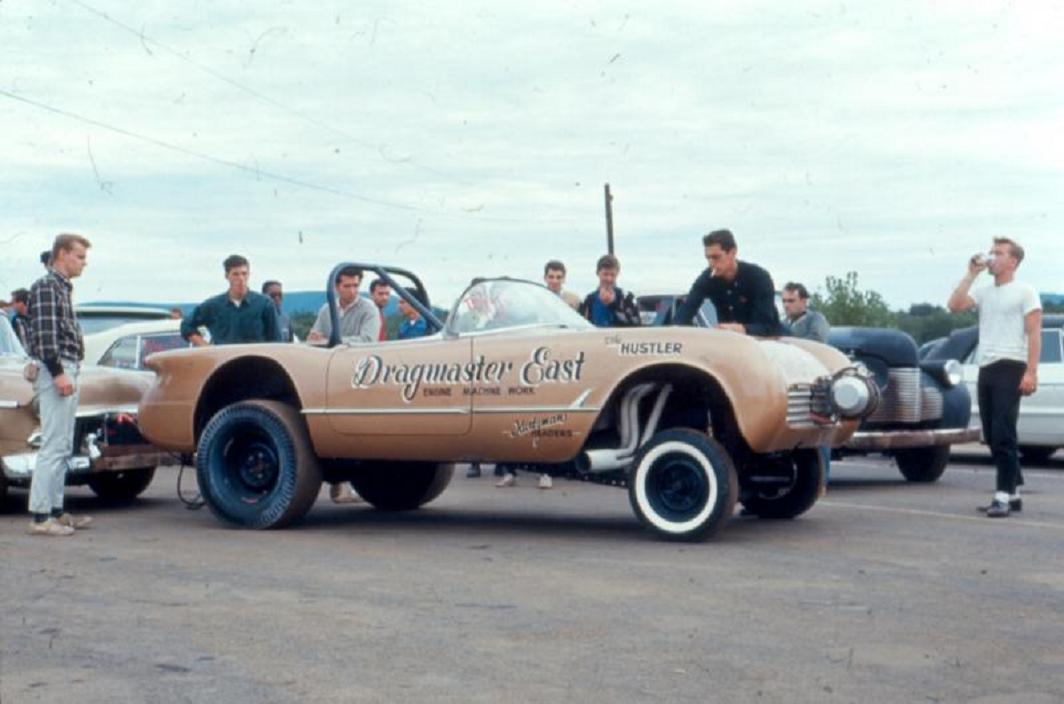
57 346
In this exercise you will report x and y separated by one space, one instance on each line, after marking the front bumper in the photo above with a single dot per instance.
878 440
112 458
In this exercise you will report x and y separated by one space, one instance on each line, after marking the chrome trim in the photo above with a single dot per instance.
901 398
533 409
800 406
579 402
899 439
385 411
443 411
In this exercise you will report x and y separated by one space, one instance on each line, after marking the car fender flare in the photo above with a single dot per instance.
251 376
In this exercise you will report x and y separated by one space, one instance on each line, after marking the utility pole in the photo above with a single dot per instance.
609 220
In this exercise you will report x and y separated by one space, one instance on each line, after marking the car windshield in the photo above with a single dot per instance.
498 304
9 344
91 322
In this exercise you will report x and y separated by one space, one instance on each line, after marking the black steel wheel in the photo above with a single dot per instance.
256 467
922 464
122 486
784 485
683 485
401 486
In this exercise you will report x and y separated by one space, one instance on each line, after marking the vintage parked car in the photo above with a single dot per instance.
689 420
95 318
924 408
111 456
127 345
1041 423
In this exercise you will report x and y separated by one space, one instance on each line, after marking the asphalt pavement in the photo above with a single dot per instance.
884 592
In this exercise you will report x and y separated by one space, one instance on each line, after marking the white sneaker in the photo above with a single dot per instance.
49 527
545 481
508 479
71 521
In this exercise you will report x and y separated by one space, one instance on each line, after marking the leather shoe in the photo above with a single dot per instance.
997 509
1015 505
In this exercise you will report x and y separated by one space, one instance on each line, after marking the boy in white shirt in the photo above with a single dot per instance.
1010 343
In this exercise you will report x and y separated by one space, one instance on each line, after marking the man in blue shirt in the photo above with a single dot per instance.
236 316
413 324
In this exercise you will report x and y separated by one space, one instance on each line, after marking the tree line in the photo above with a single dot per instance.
843 303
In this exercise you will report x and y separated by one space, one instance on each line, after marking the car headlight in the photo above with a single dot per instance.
854 393
948 372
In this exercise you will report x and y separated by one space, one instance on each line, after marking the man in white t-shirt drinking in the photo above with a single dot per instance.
1010 342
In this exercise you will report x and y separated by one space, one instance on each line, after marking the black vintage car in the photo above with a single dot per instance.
924 405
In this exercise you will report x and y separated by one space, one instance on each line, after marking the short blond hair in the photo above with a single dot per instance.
1014 249
66 241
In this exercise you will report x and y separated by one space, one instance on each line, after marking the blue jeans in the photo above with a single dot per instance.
58 414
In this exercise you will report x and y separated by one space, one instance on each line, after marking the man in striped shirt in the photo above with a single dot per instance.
57 346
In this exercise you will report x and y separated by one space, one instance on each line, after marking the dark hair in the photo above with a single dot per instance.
607 261
66 242
233 261
794 287
554 265
46 257
1014 249
722 238
352 271
415 294
20 295
266 284
376 284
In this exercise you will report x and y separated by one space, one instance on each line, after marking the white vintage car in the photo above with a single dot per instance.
1041 424
127 345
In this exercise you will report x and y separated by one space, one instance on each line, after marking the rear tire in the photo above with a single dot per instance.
123 486
683 485
922 464
401 486
793 498
256 467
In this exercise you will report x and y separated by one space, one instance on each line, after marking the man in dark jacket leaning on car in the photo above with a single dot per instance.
236 316
742 292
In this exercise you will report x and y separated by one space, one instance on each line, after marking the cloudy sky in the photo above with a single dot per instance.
463 139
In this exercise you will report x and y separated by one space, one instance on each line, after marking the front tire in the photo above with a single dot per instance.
121 487
401 486
256 467
683 485
799 480
922 464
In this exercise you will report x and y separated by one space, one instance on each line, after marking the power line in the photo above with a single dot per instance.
259 173
258 95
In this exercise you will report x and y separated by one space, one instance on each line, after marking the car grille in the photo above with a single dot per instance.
905 401
805 402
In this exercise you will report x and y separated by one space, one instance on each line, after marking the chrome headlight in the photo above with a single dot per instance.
948 372
854 393
954 372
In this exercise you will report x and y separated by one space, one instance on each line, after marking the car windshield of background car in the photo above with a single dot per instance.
501 304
